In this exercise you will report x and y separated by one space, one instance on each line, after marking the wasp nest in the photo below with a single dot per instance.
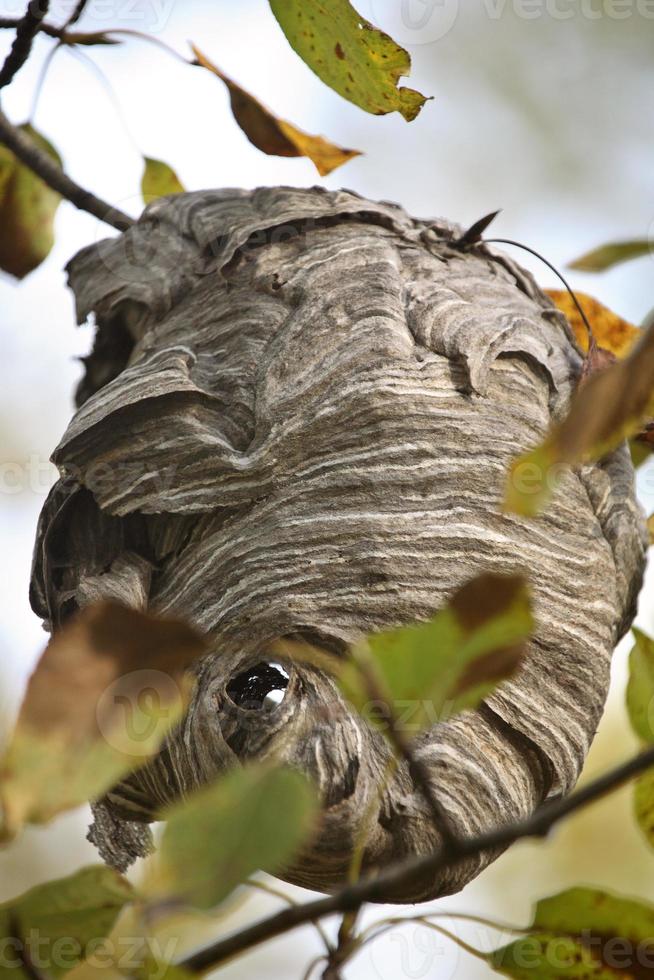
297 421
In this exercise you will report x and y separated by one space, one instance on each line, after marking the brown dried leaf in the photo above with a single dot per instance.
275 136
105 692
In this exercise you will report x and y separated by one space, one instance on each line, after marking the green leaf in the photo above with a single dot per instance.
252 818
159 180
598 912
452 662
27 210
607 408
604 257
58 923
349 54
273 135
640 689
580 934
544 956
644 804
106 691
640 452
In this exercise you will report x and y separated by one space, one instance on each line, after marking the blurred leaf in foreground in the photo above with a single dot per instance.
27 210
640 688
275 136
159 180
360 62
582 934
609 407
611 254
611 332
105 692
54 925
640 707
252 818
453 661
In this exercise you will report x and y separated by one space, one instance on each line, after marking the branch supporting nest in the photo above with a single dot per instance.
51 173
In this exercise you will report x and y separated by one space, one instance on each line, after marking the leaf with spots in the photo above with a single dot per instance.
582 934
360 62
434 670
611 405
602 258
159 180
27 210
253 818
53 925
273 135
107 689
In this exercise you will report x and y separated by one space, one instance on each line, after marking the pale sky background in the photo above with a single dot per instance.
545 115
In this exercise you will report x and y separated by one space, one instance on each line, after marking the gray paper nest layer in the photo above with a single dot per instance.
297 421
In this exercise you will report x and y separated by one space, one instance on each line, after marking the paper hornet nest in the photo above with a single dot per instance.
296 421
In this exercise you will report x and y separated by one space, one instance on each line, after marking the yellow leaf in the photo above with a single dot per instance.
610 330
159 180
275 136
27 211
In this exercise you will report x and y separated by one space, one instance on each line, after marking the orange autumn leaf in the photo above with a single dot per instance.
612 333
273 135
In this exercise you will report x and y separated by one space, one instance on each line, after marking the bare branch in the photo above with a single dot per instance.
49 171
61 33
26 30
372 888
77 13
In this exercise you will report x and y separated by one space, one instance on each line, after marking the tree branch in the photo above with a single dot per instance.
49 171
77 13
370 889
62 33
26 30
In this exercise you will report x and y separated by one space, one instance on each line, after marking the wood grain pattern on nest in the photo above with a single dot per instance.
297 421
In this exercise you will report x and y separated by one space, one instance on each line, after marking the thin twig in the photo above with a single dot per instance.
404 873
76 14
552 267
394 923
311 967
26 30
60 33
45 68
278 893
51 173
